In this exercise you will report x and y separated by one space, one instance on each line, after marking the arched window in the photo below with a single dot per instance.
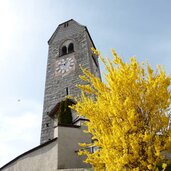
64 50
71 48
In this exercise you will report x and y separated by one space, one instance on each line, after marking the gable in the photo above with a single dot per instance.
67 29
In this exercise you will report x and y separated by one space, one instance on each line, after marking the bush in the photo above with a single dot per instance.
65 114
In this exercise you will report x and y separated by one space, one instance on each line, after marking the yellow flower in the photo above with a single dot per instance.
96 52
164 165
150 167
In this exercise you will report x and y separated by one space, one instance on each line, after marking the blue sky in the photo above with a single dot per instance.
140 28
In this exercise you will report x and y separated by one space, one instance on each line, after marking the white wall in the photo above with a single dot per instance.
40 159
60 153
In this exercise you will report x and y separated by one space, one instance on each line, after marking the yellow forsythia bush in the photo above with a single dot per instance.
128 116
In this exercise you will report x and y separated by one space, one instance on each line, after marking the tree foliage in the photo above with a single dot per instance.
65 114
128 115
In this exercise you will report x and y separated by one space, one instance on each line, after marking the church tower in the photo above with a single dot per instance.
69 47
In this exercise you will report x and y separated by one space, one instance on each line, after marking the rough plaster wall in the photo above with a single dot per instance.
55 86
68 147
42 159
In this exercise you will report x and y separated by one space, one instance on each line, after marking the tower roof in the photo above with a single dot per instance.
71 20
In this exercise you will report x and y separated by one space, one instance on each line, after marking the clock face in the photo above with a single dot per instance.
65 65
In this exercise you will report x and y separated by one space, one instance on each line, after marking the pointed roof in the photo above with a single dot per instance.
54 34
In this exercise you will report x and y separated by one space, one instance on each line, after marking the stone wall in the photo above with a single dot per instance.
55 88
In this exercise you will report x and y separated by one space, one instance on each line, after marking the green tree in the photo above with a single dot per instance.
65 114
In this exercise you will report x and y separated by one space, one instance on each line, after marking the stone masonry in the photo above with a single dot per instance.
55 86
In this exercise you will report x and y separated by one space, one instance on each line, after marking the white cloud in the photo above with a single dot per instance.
9 27
19 128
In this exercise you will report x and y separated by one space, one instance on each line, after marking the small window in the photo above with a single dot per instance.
71 48
66 24
64 50
67 91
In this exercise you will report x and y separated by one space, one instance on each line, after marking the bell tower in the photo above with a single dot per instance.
69 47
